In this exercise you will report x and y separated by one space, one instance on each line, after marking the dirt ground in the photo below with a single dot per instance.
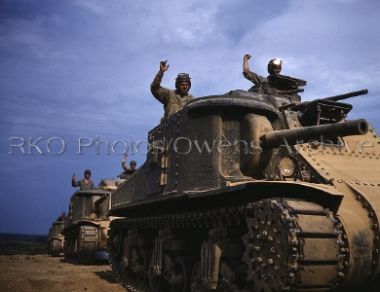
45 273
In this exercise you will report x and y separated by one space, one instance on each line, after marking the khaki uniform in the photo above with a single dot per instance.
263 86
128 172
261 83
83 186
171 99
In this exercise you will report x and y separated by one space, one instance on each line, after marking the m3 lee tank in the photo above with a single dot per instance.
250 192
87 223
55 238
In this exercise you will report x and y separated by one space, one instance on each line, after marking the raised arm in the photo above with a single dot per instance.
124 163
248 74
74 182
246 63
157 90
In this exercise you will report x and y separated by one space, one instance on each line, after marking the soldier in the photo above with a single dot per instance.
262 84
128 171
84 184
275 84
173 100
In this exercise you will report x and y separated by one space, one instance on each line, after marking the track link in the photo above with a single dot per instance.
81 243
87 244
287 242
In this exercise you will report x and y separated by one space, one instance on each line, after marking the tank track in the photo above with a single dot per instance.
55 247
313 243
81 243
307 236
87 245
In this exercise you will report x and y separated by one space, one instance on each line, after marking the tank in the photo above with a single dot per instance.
87 222
55 238
251 192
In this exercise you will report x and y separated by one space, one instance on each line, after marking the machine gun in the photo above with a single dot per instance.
302 105
323 110
304 134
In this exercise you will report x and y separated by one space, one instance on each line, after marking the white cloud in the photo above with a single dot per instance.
113 56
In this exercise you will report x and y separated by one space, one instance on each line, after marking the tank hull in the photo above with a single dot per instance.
86 225
205 213
55 238
55 246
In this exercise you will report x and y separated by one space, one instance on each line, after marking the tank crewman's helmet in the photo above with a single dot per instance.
274 63
133 163
87 171
182 77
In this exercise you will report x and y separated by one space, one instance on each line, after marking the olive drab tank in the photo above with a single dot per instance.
251 192
55 238
87 222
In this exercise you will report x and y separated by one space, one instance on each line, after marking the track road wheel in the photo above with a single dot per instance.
115 247
177 273
138 265
228 278
69 246
196 279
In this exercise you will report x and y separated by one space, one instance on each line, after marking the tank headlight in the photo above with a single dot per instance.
287 166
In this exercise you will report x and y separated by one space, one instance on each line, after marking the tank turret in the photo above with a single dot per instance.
249 192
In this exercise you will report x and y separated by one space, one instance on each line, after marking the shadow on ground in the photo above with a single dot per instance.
106 276
74 261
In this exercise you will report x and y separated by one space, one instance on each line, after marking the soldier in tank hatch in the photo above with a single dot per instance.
84 184
128 170
274 84
261 83
173 100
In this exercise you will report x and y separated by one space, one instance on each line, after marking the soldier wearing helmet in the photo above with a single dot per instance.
275 83
275 66
173 100
262 85
128 170
84 184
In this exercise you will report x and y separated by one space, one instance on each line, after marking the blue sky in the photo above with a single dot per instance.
82 68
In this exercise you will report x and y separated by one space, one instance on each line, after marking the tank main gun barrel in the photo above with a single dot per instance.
302 105
302 135
346 95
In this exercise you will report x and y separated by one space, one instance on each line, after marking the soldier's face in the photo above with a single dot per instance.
184 87
276 69
87 176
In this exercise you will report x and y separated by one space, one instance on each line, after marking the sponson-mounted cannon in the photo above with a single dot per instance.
223 203
305 134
